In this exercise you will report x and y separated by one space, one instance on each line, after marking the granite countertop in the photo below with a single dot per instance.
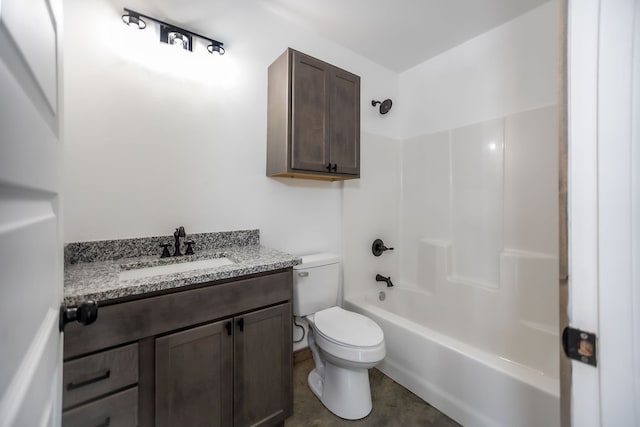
97 278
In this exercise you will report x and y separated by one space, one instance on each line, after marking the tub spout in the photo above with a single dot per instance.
387 280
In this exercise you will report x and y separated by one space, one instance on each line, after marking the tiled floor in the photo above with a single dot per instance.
393 405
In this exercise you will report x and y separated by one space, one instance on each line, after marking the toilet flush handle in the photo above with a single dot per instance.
303 273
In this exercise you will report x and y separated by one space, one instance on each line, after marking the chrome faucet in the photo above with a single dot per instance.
177 235
381 278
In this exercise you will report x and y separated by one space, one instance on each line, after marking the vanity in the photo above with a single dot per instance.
180 346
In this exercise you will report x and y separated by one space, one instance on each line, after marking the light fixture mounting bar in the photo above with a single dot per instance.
182 30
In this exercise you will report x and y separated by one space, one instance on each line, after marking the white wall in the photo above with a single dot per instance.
157 138
509 69
478 226
371 211
404 192
468 194
462 182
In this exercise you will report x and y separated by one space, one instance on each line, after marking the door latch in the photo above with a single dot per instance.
580 345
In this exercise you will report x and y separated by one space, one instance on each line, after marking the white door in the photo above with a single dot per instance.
604 207
31 257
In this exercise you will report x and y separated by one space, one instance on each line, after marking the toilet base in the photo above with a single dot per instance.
345 392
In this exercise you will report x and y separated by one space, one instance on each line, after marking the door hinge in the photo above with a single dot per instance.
580 345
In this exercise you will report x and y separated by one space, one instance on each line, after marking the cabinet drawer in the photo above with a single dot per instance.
92 376
117 410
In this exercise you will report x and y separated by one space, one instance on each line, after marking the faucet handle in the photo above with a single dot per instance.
165 251
189 244
378 247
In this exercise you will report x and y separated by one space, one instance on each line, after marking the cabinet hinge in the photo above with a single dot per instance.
580 345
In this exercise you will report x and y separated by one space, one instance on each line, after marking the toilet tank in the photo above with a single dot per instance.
316 283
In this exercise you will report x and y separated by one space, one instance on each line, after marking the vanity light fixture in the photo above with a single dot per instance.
176 37
215 48
133 20
171 34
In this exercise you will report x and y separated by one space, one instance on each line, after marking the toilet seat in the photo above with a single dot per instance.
333 343
348 328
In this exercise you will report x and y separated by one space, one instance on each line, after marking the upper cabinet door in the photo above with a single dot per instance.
310 113
344 132
313 119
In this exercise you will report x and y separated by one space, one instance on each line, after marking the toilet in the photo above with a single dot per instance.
344 344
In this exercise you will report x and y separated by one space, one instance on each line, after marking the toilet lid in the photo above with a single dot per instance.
346 327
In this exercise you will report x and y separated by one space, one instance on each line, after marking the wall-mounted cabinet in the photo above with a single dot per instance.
313 119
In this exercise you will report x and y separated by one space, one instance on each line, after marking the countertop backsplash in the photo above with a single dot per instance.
109 250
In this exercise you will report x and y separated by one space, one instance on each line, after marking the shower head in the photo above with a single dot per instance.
385 105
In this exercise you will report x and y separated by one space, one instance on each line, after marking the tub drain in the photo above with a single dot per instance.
382 296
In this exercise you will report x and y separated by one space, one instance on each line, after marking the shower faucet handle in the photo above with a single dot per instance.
378 247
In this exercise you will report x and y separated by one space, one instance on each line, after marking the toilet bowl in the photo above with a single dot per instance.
344 345
343 352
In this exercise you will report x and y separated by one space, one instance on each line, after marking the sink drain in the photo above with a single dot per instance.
382 296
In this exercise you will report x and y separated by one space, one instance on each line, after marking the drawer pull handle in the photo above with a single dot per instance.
228 326
103 376
105 423
241 324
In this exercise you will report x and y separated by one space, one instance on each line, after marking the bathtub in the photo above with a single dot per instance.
477 378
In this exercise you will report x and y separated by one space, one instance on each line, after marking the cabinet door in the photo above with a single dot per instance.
345 122
263 351
310 113
194 377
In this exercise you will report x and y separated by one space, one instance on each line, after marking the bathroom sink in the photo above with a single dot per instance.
160 270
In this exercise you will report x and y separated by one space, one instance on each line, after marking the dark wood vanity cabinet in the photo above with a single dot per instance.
233 372
313 119
262 386
194 376
218 355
